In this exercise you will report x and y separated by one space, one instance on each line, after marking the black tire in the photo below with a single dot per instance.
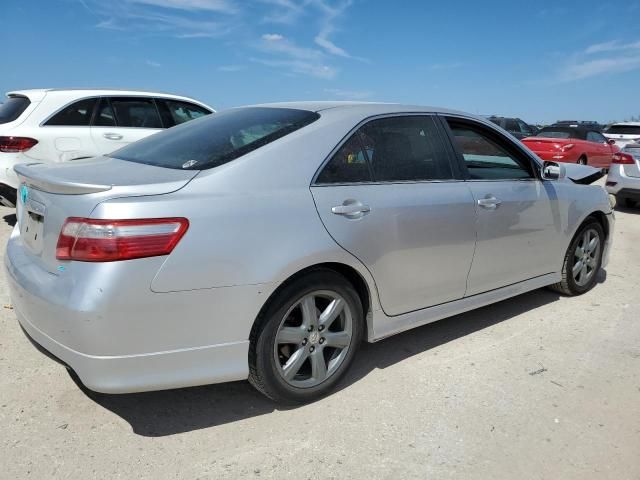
568 285
583 160
264 373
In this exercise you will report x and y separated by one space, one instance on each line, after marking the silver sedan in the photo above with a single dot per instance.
267 242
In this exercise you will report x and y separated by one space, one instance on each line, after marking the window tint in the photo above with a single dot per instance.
175 112
348 165
216 139
136 112
511 125
596 137
104 116
485 158
623 129
77 114
524 128
561 132
405 148
12 108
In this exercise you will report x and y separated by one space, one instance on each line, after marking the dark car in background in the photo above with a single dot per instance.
515 126
590 124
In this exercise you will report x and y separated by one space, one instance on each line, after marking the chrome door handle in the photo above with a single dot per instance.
490 203
112 136
351 209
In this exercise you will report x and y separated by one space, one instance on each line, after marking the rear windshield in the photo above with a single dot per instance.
12 108
559 132
623 130
216 139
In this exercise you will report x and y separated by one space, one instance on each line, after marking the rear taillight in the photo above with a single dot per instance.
16 144
89 240
623 159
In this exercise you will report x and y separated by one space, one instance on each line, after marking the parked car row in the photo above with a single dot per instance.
266 242
57 125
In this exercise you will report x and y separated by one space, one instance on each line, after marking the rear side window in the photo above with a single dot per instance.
216 139
12 108
596 137
136 112
348 165
406 149
486 158
623 130
78 114
104 116
175 112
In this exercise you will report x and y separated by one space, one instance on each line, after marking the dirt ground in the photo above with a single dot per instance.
539 386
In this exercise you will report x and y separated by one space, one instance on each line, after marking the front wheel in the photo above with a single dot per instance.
582 261
306 338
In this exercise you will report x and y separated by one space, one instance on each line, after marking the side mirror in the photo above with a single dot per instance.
611 141
553 171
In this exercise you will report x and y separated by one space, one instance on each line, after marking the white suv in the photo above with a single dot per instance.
623 133
56 125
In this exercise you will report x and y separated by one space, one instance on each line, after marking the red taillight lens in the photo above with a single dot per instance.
89 240
16 144
623 158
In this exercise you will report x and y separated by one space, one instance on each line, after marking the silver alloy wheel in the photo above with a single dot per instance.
585 260
313 338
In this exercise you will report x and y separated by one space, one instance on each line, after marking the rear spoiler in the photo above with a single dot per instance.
47 181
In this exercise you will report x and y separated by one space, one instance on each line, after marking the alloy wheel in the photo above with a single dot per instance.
586 257
313 339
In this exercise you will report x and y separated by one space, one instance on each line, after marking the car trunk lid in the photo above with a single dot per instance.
49 194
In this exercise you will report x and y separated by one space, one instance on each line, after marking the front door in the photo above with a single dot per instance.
518 226
391 197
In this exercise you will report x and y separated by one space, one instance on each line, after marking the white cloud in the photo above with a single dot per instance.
210 5
272 37
302 67
446 66
151 63
349 94
603 66
232 68
612 46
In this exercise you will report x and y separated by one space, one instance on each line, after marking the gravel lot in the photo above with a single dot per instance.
538 386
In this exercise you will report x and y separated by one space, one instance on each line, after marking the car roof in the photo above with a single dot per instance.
371 108
626 124
37 94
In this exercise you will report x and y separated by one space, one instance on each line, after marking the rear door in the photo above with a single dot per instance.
123 120
391 196
518 225
66 134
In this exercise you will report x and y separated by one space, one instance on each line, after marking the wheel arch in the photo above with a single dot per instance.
364 290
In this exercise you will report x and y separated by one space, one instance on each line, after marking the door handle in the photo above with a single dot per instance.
351 209
112 136
490 202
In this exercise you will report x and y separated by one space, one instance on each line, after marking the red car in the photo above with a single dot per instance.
572 144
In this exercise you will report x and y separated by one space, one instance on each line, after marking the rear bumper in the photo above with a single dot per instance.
124 339
622 185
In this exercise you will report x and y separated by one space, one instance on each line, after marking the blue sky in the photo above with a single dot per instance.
539 60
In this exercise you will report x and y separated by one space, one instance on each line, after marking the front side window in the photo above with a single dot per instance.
216 139
136 112
524 128
596 137
175 112
511 125
485 157
78 114
12 108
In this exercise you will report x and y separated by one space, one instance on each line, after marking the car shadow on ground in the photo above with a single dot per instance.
10 220
156 414
624 209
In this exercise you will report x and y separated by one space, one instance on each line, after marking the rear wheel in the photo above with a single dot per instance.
582 261
306 338
583 160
